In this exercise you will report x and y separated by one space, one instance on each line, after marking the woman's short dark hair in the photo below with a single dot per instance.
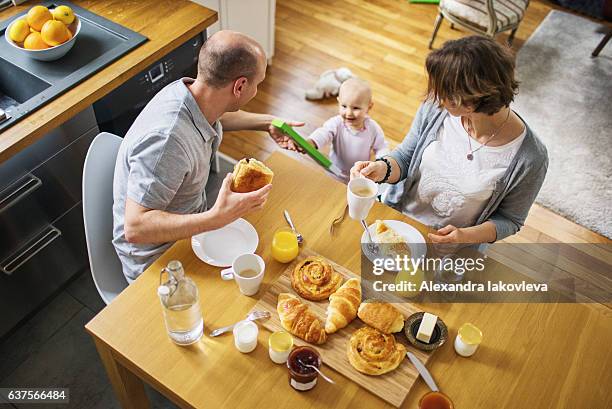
472 71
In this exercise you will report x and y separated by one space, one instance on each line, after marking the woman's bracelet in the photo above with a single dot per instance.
388 173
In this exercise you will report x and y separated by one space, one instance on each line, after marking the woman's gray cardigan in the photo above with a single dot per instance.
512 195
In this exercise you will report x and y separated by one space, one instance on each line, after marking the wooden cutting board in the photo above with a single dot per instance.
393 387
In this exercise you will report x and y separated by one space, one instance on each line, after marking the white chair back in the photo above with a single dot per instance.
98 172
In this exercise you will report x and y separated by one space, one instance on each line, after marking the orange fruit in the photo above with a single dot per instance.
34 41
63 14
70 35
19 31
54 33
38 16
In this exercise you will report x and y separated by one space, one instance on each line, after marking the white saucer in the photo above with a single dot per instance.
220 247
414 238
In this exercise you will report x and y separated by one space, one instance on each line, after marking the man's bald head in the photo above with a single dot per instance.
227 56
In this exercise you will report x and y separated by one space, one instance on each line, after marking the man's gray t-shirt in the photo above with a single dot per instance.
163 164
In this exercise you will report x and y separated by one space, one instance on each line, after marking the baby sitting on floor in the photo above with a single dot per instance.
352 133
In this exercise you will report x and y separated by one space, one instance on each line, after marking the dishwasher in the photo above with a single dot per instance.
116 112
42 239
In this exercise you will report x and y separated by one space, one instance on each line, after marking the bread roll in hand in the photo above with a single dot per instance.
250 175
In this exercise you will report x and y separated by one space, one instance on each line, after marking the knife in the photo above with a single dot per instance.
423 371
308 148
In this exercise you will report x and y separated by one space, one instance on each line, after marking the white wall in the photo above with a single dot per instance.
252 17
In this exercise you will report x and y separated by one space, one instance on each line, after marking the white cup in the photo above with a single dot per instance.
247 285
360 205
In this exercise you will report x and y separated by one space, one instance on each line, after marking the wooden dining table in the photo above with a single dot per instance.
532 355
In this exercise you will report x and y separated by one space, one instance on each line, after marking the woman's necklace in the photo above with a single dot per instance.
470 154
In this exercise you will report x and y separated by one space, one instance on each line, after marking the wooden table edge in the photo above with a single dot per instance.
128 379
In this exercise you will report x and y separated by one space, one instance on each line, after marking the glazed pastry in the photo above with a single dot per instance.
297 318
315 279
374 353
250 175
343 305
396 243
381 315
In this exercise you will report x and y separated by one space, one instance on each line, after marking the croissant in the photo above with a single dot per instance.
374 353
343 305
315 279
381 315
297 318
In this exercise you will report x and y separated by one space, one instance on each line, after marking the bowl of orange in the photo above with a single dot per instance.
44 34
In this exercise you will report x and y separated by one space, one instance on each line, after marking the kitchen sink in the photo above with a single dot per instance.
27 84
17 85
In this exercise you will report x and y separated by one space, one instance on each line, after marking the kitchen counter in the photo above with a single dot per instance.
166 24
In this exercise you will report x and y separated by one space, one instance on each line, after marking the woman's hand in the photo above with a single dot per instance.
447 235
375 171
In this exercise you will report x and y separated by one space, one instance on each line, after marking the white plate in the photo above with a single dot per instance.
414 238
220 247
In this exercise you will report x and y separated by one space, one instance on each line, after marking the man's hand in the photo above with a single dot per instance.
231 205
283 140
375 171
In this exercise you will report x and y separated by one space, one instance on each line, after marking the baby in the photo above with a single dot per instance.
352 133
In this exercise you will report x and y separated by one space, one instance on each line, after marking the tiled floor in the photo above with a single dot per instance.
52 348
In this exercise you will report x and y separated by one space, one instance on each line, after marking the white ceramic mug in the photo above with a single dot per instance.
247 285
359 205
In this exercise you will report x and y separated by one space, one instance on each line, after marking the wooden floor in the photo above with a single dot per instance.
384 42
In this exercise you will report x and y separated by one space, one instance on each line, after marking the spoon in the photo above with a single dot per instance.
300 239
255 315
327 378
372 248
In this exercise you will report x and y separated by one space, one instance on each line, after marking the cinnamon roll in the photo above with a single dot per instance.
315 279
373 352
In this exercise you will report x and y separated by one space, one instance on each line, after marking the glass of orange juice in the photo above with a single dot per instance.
284 245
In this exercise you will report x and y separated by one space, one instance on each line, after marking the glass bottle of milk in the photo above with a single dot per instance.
181 305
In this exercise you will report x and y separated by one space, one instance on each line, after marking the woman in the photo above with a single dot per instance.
470 167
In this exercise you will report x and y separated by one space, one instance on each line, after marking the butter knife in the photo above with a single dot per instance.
423 371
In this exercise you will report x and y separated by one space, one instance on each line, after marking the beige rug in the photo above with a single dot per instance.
566 98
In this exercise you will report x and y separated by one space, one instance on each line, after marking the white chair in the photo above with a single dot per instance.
486 17
98 172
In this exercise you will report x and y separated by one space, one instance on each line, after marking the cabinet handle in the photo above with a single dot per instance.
29 250
18 190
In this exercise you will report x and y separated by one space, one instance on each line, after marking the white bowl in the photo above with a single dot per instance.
48 54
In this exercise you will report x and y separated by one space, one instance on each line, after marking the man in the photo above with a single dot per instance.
164 161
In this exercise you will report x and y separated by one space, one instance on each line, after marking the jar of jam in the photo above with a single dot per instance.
302 377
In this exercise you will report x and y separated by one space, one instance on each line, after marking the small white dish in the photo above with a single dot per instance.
220 247
414 238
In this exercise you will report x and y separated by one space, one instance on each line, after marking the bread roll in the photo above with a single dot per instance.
249 175
374 353
381 315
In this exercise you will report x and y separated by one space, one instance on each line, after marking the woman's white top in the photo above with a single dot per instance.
449 188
